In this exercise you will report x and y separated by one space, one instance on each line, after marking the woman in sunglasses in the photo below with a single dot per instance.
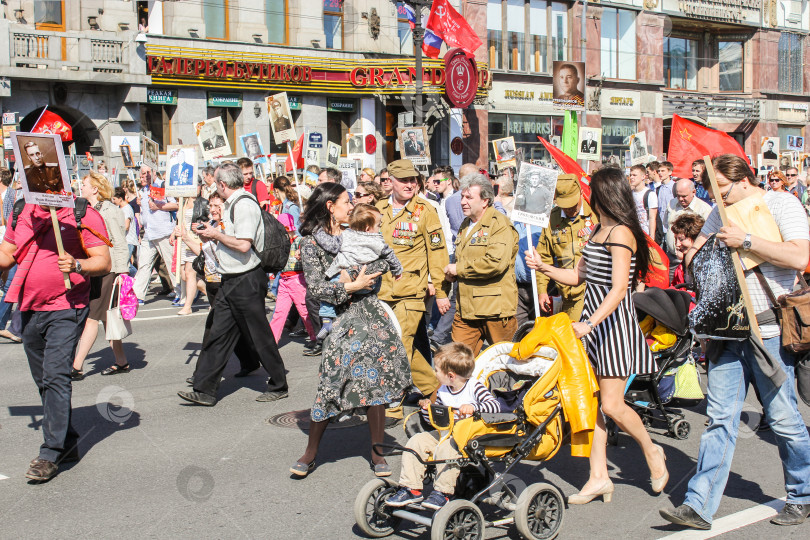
368 193
776 181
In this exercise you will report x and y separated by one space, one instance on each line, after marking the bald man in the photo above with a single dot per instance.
684 200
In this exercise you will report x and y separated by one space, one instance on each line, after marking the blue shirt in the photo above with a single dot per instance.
522 272
289 207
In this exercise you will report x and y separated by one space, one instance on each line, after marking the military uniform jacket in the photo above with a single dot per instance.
416 236
561 245
485 264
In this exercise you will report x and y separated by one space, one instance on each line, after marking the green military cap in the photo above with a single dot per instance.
568 191
402 168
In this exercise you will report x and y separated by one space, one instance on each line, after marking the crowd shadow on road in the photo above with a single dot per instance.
104 358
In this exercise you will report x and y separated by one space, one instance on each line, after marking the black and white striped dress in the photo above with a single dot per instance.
616 346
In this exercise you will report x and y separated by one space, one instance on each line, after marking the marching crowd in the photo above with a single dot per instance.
398 285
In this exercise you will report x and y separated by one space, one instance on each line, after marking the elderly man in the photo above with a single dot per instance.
684 199
412 228
733 365
209 186
793 185
570 226
486 247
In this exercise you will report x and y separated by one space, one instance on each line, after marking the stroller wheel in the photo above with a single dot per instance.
612 432
539 512
681 429
370 511
458 519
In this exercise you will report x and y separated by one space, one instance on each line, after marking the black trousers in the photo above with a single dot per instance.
239 313
525 305
248 358
313 307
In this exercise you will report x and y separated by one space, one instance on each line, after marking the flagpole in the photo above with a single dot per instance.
418 37
583 29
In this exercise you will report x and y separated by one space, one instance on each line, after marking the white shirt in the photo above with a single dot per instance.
247 225
132 232
643 215
675 209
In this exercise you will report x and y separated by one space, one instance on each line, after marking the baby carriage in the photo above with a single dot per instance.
530 379
651 394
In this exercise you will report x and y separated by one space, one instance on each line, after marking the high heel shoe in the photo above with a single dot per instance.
659 483
606 491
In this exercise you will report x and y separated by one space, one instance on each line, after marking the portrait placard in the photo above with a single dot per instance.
212 138
126 155
349 167
252 147
181 171
638 149
313 153
769 148
42 169
804 163
795 142
590 144
333 157
569 85
354 146
786 160
413 144
149 153
534 194
504 152
278 109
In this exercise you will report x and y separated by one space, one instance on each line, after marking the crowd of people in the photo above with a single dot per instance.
398 285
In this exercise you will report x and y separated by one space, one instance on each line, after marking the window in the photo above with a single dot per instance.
275 19
616 139
515 37
156 121
525 128
790 62
215 13
338 125
785 132
618 44
559 31
333 23
730 61
229 116
404 30
49 14
495 34
538 32
680 63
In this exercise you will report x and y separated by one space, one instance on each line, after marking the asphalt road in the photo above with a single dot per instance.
155 467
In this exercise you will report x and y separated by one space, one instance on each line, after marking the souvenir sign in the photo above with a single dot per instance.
413 145
534 194
569 85
149 153
212 138
589 144
278 109
43 174
504 152
638 149
181 171
252 147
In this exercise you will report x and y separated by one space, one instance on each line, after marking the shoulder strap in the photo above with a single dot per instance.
647 200
239 198
19 206
80 210
765 286
254 188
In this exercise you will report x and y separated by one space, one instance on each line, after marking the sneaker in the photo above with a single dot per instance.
315 350
792 514
301 332
325 329
435 500
404 497
685 516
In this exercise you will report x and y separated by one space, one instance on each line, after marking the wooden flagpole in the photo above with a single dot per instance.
181 214
59 247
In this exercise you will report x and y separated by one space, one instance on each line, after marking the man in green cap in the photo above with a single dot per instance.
411 226
570 226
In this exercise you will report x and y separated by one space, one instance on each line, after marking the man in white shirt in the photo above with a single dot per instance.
685 200
645 199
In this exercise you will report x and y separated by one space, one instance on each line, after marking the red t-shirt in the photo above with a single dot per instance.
44 287
261 190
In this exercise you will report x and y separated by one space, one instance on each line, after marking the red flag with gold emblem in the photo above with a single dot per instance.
689 141
51 123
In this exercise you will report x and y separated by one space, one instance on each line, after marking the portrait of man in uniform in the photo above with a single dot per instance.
354 144
504 152
534 194
212 138
41 166
149 151
568 90
252 147
278 108
181 172
638 148
589 143
126 155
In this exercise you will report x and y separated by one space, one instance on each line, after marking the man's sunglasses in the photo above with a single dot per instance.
438 181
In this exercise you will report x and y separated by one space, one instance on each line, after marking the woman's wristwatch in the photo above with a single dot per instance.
590 324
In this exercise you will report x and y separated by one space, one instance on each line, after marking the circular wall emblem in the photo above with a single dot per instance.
461 78
371 144
456 146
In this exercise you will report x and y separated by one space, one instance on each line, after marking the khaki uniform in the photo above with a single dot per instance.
487 288
561 245
416 236
45 178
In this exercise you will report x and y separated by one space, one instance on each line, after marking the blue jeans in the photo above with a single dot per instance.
327 310
728 385
132 268
5 307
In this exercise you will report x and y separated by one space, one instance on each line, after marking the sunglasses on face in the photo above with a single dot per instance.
791 175
438 181
361 195
774 180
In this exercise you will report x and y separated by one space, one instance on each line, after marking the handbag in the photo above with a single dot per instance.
687 382
793 313
116 328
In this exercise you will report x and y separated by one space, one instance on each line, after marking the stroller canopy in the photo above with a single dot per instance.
670 307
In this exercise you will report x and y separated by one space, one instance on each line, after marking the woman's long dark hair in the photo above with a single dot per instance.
611 196
316 215
282 183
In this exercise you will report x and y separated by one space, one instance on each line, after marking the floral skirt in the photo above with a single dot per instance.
364 362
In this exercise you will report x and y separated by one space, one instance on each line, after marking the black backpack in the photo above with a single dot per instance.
276 250
659 227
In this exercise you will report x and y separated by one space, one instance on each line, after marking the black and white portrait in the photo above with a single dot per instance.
213 139
354 145
534 194
770 148
149 153
278 109
590 143
413 145
638 148
504 150
43 172
252 147
126 155
333 155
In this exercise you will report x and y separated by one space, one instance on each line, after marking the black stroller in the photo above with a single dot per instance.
669 307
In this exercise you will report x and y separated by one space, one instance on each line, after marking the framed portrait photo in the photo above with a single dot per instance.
281 120
589 144
150 151
181 171
505 155
413 144
534 194
42 169
252 147
212 138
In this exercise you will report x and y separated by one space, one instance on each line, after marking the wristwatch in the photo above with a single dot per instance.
78 266
746 245
590 324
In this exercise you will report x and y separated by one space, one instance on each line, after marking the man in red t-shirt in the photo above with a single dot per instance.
260 189
53 317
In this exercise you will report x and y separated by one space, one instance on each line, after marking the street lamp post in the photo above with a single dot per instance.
418 37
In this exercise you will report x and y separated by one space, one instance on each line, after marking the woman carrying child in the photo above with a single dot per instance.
364 362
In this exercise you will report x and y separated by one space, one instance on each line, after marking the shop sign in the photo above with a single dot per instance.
522 98
738 11
9 118
161 97
340 105
225 99
295 102
461 78
620 103
792 112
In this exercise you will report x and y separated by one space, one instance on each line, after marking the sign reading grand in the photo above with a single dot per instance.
742 11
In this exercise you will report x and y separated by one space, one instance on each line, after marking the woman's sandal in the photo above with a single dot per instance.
381 470
115 368
76 375
302 469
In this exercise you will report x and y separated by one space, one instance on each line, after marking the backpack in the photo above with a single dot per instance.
276 251
659 227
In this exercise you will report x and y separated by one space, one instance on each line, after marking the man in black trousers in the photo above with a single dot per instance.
239 305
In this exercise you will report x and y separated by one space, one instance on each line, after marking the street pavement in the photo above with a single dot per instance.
157 467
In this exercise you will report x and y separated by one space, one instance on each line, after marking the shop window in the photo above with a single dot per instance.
275 19
215 13
730 62
515 36
495 34
333 23
618 42
538 36
680 63
616 139
525 128
229 116
338 125
156 121
790 62
404 30
49 14
784 133
559 31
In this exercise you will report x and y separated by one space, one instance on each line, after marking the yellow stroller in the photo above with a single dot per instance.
526 378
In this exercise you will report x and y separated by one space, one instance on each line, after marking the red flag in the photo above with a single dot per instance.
689 141
658 269
297 152
569 166
449 25
52 123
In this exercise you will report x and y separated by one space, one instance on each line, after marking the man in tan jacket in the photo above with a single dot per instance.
486 246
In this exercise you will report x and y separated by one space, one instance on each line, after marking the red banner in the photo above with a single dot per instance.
449 25
689 142
51 123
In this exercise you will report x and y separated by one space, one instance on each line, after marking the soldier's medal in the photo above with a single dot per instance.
417 211
472 241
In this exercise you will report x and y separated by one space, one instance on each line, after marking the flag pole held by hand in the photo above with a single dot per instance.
60 248
178 241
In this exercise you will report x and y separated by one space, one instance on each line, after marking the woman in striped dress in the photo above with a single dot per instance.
614 260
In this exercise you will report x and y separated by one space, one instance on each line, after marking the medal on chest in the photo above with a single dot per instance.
417 211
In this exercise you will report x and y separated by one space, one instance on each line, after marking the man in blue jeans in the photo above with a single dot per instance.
735 364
